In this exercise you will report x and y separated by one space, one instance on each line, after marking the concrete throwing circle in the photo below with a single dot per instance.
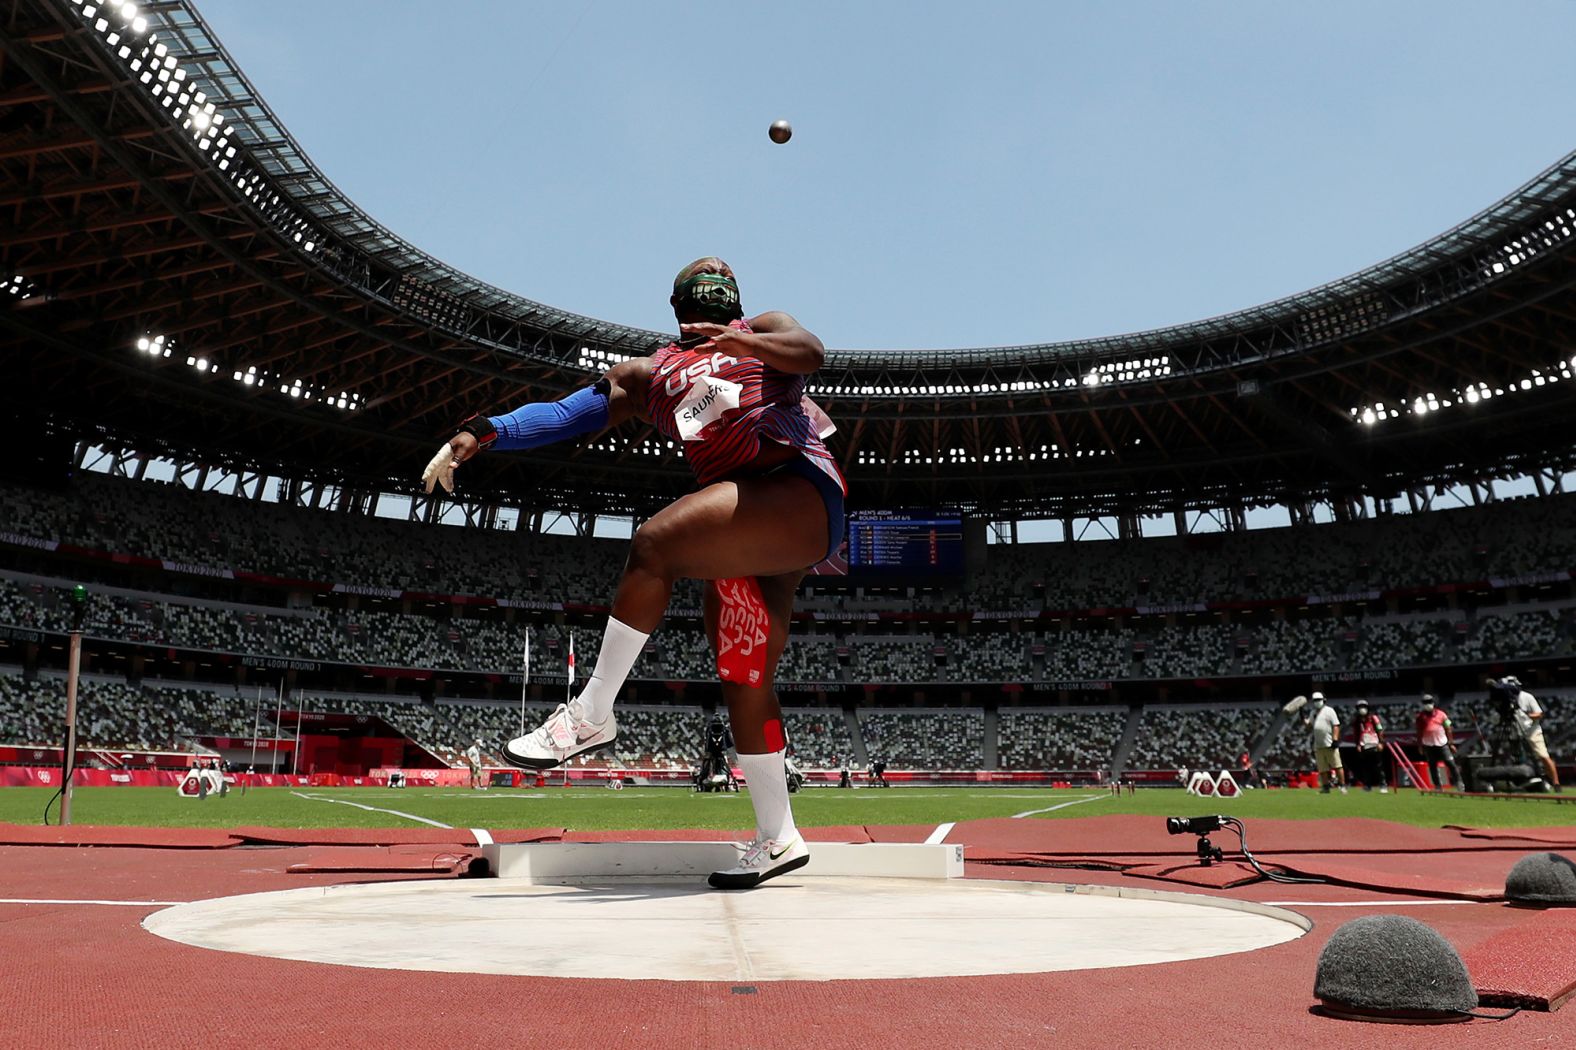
811 930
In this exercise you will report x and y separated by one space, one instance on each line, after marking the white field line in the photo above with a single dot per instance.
1365 904
941 833
859 794
119 904
373 809
1059 805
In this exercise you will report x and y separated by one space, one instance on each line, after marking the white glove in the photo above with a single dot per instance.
440 469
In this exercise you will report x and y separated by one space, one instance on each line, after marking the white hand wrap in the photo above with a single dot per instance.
440 469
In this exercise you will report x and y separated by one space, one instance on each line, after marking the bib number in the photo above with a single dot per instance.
708 399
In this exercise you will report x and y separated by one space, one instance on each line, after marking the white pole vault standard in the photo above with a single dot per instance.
69 755
257 727
569 686
525 677
295 764
569 689
279 714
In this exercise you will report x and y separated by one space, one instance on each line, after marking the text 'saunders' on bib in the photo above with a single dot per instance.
707 400
743 627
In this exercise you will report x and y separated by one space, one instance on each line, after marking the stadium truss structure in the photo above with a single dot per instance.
177 278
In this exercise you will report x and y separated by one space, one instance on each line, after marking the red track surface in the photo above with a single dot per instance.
87 975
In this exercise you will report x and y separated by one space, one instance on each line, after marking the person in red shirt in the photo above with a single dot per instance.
1370 749
1435 739
1250 772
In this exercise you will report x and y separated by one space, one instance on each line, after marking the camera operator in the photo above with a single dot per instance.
718 741
1435 739
1525 710
878 773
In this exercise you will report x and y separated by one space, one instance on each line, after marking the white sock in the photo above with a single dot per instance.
766 777
621 646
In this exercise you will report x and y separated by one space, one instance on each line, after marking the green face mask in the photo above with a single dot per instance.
711 296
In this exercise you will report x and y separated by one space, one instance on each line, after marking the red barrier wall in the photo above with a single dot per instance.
34 776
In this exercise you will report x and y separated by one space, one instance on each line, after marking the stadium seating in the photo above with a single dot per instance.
169 716
819 736
1058 738
1211 738
155 520
184 605
950 739
488 643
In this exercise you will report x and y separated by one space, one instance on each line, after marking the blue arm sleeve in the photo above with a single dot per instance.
542 423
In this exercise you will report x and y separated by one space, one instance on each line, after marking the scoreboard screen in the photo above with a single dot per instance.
905 543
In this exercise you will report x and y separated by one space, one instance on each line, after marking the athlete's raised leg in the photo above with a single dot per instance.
763 526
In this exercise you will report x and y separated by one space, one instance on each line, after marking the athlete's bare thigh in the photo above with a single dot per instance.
765 526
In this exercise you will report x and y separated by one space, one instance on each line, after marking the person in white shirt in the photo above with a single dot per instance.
473 758
1325 726
1529 716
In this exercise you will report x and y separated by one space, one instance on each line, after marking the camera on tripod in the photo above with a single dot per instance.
715 772
1502 762
1208 852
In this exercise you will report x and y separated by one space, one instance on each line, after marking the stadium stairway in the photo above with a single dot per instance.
1267 739
857 735
1124 746
991 738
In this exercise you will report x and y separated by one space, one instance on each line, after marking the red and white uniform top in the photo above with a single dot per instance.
720 408
1431 728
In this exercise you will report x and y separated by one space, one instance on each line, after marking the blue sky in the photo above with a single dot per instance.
960 174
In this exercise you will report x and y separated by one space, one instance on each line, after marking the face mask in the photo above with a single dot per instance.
1318 704
710 296
1428 707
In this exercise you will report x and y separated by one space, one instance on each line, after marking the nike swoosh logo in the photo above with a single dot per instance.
665 369
774 854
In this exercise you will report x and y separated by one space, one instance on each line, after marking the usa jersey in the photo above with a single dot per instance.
720 408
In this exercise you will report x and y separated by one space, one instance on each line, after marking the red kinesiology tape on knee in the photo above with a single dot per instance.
743 627
773 731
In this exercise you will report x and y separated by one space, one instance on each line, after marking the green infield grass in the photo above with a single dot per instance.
591 808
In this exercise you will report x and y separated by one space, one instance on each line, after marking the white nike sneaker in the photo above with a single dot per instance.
563 736
761 860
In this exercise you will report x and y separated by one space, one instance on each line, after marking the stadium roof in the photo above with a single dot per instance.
178 275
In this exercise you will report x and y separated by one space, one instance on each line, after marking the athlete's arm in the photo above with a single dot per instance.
618 396
776 338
